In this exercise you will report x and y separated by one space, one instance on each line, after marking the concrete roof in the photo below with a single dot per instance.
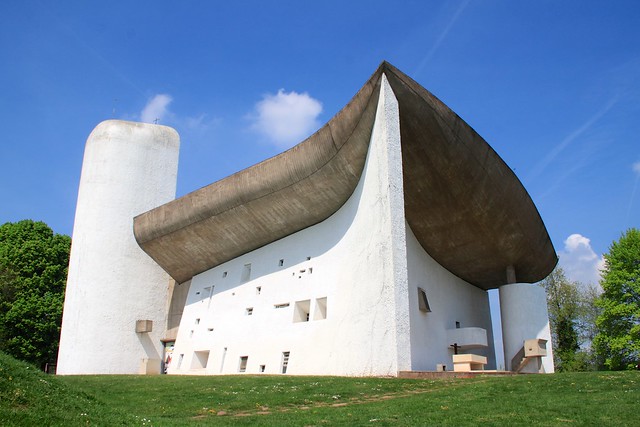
466 207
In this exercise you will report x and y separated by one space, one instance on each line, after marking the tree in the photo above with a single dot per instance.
33 272
618 338
563 302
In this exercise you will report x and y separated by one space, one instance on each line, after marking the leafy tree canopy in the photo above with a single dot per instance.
33 272
618 339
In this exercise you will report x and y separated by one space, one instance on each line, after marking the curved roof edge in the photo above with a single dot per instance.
465 206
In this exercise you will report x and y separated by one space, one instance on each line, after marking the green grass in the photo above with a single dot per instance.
596 398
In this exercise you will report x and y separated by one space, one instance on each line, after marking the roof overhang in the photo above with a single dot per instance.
466 207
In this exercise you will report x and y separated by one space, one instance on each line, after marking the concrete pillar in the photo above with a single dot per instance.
523 309
128 168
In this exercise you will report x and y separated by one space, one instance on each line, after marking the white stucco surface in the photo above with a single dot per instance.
451 300
523 309
355 274
128 168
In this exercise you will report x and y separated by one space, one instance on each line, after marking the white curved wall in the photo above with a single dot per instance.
357 265
523 309
128 168
363 261
451 300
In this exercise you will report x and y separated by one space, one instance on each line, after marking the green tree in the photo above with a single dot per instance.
563 302
33 271
618 338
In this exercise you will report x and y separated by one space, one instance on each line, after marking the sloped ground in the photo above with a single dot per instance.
31 398
28 397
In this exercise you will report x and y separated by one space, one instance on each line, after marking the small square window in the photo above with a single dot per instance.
224 274
320 311
262 368
302 310
281 262
197 321
258 290
249 311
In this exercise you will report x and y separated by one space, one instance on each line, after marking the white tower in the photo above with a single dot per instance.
523 309
128 168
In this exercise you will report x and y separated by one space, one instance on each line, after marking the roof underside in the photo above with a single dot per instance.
464 204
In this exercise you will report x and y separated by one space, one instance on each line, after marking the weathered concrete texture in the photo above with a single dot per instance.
466 207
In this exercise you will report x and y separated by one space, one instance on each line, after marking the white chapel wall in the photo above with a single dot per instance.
451 300
341 272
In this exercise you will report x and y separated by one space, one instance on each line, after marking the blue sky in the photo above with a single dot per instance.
554 87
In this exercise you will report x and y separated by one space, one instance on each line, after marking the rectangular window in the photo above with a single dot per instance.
262 368
320 311
200 359
249 311
197 321
246 273
283 305
423 302
301 312
285 362
224 274
281 263
258 290
243 364
180 359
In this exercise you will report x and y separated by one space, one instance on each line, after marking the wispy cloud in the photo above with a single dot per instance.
286 117
442 36
156 109
539 168
636 170
579 261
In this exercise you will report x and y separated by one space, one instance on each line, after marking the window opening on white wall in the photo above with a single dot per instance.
281 262
200 359
243 364
210 329
224 356
285 362
423 302
283 305
180 359
262 368
320 310
224 274
258 290
308 258
246 273
301 311
209 290
197 321
191 333
248 311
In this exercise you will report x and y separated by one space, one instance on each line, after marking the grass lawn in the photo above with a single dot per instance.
597 398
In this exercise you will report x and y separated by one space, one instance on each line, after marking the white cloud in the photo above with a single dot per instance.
579 261
156 109
636 167
286 117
